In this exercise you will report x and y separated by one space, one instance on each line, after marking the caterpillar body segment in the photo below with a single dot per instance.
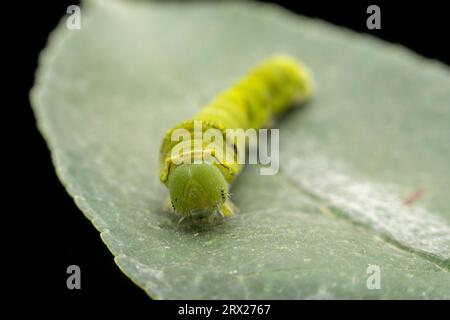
200 190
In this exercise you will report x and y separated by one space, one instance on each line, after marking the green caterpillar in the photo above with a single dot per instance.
201 190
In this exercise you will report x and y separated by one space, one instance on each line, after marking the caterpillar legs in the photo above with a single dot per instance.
228 209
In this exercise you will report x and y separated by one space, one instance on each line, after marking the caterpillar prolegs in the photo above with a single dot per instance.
200 189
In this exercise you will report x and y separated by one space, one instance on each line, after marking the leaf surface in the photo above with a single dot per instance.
351 162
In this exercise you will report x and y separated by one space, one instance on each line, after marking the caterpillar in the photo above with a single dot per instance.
200 190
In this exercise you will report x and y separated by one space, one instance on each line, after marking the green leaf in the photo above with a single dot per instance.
376 132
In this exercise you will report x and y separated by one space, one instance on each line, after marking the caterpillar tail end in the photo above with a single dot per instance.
307 84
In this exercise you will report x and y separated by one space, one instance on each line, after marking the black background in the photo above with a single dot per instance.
57 233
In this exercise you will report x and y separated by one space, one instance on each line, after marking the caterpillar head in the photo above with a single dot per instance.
197 190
